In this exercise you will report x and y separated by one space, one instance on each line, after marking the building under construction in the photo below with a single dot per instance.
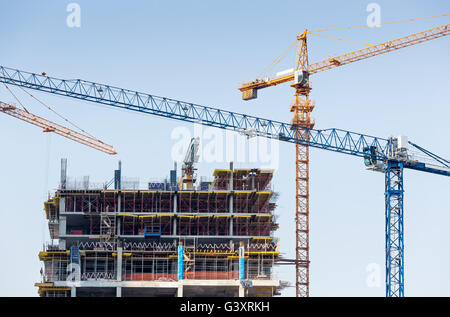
172 238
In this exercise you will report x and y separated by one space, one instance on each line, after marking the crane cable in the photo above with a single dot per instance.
15 97
276 60
316 32
46 166
382 23
48 107
339 39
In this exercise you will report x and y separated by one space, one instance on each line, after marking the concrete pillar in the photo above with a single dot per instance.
73 291
230 207
62 225
174 229
231 175
62 204
63 173
175 209
119 264
119 222
231 197
180 289
241 291
119 202
119 291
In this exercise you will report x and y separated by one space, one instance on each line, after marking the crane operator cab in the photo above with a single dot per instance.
370 156
371 160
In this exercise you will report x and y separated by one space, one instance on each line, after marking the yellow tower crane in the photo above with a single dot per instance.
302 108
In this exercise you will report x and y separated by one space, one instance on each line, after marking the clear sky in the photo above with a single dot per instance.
199 51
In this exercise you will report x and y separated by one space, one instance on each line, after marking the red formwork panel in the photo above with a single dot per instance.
231 275
149 277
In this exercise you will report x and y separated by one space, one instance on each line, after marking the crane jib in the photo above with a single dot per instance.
336 140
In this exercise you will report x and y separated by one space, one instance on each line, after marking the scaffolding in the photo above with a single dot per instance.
133 234
158 261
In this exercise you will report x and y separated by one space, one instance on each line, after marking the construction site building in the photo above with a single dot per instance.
213 239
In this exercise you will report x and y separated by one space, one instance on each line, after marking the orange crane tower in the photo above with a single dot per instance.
302 108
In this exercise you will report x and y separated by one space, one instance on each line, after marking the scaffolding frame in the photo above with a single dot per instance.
144 228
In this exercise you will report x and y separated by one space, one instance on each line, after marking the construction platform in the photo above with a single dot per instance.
214 239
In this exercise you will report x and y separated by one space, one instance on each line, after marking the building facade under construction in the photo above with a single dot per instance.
171 238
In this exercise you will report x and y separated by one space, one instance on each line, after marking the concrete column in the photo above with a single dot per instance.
119 202
62 204
119 221
119 264
174 229
175 203
231 198
231 227
119 291
231 179
241 291
62 225
180 289
230 207
73 291
175 208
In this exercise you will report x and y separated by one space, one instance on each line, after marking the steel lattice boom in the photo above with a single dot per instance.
49 126
336 140
351 57
328 139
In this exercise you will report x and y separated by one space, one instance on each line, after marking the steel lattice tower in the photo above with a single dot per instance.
302 124
394 230
302 220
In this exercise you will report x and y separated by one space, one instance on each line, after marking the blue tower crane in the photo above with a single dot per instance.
390 156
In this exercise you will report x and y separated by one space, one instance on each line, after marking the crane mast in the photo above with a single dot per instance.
302 122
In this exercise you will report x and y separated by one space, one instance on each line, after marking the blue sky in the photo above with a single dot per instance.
199 51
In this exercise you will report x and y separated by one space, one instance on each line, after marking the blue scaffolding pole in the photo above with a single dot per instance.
394 230
180 262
